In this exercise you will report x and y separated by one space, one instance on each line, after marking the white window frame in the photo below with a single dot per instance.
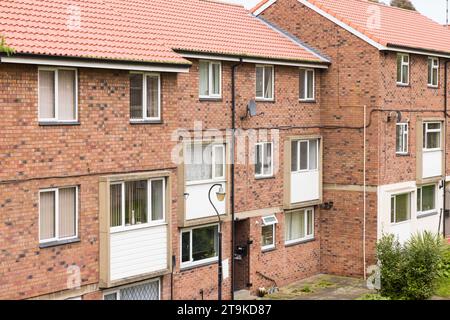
214 178
405 137
117 290
306 98
144 98
192 263
150 223
57 238
403 63
210 80
263 82
434 67
56 95
307 236
394 195
268 221
262 144
298 156
419 210
432 130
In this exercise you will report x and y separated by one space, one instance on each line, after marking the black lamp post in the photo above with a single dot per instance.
220 196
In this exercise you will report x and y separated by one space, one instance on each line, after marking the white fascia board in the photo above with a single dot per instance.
424 53
208 57
264 7
96 65
286 63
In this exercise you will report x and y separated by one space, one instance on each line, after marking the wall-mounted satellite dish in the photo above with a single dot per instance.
251 110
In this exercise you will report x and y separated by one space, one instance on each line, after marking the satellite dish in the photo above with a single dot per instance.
251 108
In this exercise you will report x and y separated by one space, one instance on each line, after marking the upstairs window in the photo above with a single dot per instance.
402 69
307 84
400 207
401 136
210 77
432 135
426 199
264 82
433 72
263 159
304 155
204 162
145 97
57 95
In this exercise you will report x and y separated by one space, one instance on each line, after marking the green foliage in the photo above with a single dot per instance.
404 4
4 48
445 267
411 271
443 289
372 296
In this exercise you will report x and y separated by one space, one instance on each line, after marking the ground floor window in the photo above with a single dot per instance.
268 232
199 245
400 207
299 225
426 199
142 291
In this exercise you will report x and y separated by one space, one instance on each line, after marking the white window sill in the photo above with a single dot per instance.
265 99
136 227
56 242
299 241
402 153
218 97
427 214
431 150
401 84
268 248
146 120
433 86
190 265
393 224
307 100
58 123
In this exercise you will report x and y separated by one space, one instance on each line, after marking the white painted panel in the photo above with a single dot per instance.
139 251
304 186
197 203
432 164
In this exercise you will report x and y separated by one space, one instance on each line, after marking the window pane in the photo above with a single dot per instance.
116 205
185 246
428 198
267 158
313 154
310 83
399 138
66 95
46 94
405 74
435 77
258 159
47 215
204 243
430 71
153 97
419 199
145 291
111 296
399 68
294 156
216 79
135 202
402 207
259 82
295 225
303 155
310 222
157 200
433 140
267 235
434 126
198 162
268 94
136 94
204 78
219 155
67 212
392 209
302 84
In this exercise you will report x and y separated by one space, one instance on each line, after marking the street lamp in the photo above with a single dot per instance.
220 197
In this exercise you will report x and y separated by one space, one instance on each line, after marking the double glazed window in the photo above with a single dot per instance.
199 244
401 137
268 232
403 69
400 207
204 162
137 202
143 291
299 225
307 84
432 135
210 75
264 82
145 97
58 214
57 95
263 159
304 155
433 72
426 199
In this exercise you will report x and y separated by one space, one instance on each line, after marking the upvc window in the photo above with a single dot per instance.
264 82
400 207
426 199
149 290
204 162
58 214
307 84
145 97
433 72
304 155
401 137
403 69
137 203
58 90
264 159
432 135
299 225
199 245
210 76
268 232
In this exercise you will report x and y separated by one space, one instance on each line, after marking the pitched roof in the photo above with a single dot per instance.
396 28
141 30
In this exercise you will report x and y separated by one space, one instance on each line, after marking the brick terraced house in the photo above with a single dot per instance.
320 124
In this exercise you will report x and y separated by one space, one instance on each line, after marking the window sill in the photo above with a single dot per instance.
264 177
426 214
136 227
400 154
212 99
58 243
433 87
307 101
133 122
58 123
198 265
265 100
403 85
268 249
302 241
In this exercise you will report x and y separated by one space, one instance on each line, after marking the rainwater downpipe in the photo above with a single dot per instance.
444 215
364 195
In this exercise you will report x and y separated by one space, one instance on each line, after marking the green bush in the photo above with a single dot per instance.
411 271
446 262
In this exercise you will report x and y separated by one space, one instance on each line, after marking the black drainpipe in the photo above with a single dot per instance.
233 129
444 216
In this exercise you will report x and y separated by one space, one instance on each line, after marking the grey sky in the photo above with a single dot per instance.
434 9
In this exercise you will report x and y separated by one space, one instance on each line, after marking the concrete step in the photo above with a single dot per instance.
244 295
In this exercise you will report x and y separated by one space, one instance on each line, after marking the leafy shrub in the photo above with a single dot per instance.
372 296
446 262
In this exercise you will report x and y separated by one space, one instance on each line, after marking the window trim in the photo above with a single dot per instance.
191 263
425 124
264 77
313 98
56 238
393 195
262 175
117 290
433 67
298 155
306 237
403 63
210 80
149 223
144 98
214 145
405 137
269 246
425 213
56 95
